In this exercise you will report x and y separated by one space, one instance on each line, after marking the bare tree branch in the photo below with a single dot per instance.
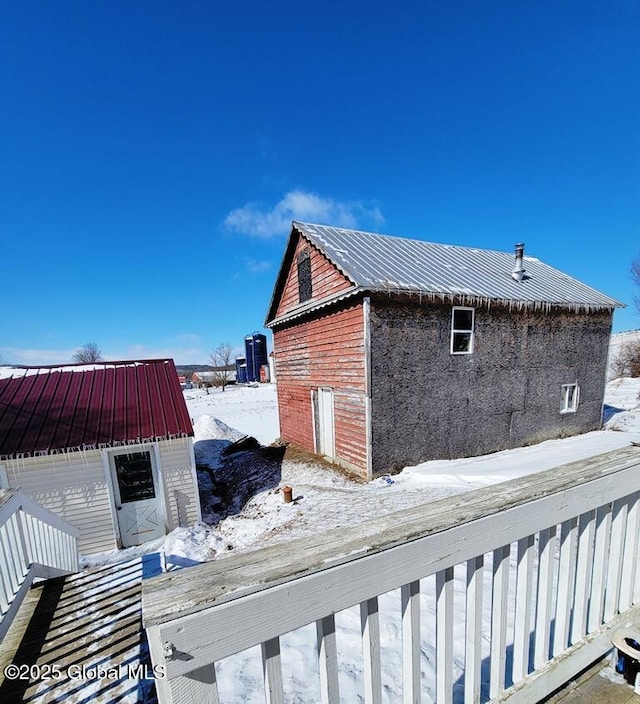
627 361
222 362
88 353
635 275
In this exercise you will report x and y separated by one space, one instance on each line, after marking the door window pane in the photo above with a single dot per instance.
135 476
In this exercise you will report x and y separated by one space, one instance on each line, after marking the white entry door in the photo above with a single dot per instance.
326 426
139 507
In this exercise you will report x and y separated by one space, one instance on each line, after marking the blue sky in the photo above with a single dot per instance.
153 154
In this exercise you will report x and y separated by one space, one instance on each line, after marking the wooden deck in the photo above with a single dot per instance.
598 685
81 639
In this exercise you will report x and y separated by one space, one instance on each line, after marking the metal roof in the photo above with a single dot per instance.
49 409
376 262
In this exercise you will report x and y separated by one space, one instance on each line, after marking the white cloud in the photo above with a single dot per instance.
181 354
189 337
35 357
257 267
258 220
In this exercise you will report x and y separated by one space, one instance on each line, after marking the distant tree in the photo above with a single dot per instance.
627 361
635 275
88 353
222 361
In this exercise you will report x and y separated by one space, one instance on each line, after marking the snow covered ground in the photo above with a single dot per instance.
251 410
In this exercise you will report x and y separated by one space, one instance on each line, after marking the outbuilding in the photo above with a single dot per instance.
107 446
392 351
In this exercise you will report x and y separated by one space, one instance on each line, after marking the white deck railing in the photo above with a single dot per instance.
527 581
33 543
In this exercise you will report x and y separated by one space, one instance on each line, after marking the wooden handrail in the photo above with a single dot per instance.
38 544
14 500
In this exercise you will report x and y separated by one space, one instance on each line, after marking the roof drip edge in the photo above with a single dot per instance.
88 448
448 297
511 303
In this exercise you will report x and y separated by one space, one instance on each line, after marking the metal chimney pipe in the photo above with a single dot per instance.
518 271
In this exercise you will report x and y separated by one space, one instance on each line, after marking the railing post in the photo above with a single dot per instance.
546 554
566 584
616 557
524 593
444 636
370 631
473 631
600 566
630 554
410 599
24 551
272 668
6 592
328 659
497 665
586 532
11 572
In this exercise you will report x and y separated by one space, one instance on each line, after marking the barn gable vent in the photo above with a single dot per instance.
304 276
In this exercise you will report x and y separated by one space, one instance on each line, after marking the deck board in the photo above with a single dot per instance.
77 626
598 685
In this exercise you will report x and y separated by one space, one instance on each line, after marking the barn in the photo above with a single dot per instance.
107 446
392 351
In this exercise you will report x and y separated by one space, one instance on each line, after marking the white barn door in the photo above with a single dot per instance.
139 506
326 425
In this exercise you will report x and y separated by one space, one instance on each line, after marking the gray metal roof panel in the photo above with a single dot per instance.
385 263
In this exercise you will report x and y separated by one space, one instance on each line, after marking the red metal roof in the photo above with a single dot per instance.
44 409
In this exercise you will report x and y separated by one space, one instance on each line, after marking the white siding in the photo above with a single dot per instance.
74 486
178 476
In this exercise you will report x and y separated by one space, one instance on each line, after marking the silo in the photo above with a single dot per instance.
241 370
256 354
248 353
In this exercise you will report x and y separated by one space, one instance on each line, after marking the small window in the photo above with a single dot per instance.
569 398
135 476
4 482
462 331
304 276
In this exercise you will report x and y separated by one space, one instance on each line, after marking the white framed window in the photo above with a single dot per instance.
569 395
462 320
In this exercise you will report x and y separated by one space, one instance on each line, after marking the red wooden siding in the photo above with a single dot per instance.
327 351
326 279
